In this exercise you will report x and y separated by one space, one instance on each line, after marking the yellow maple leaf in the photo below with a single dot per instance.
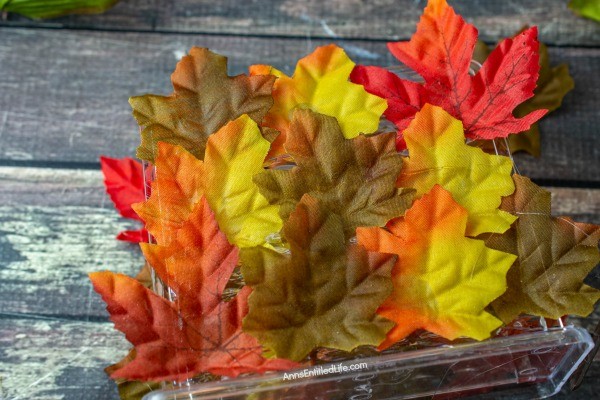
438 154
443 281
320 82
234 154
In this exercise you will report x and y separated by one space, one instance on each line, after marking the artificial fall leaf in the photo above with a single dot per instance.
443 281
176 189
199 332
325 292
205 98
552 85
554 257
39 9
233 156
586 8
131 390
320 83
438 154
440 51
124 183
353 178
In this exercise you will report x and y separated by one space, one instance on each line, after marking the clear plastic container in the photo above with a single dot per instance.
522 366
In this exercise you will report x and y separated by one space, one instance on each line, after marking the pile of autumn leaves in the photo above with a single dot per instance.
351 243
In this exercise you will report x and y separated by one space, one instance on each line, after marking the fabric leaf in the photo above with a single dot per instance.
440 51
555 255
443 281
320 83
552 85
353 178
325 292
438 154
199 332
586 8
205 98
124 183
39 9
233 156
176 190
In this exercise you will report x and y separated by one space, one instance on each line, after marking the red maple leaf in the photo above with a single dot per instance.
124 182
198 331
441 51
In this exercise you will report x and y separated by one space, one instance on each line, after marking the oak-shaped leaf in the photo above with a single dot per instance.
205 98
443 281
438 154
555 254
441 51
199 331
323 293
354 178
124 183
552 85
321 83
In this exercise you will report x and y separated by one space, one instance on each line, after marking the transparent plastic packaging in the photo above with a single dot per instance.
522 366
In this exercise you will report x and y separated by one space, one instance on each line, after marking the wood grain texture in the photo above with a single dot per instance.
65 93
376 20
58 360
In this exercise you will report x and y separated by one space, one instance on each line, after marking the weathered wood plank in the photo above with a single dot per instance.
73 187
379 19
53 187
65 93
47 252
54 359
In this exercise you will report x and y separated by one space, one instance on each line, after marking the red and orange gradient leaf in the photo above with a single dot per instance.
441 51
199 331
176 190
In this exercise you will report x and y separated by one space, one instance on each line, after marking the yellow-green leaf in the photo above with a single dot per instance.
586 8
438 154
234 155
39 9
320 83
443 281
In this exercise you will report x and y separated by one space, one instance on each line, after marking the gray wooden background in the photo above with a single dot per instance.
64 86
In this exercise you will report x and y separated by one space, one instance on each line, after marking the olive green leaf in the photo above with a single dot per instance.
39 9
205 98
586 8
323 293
555 255
354 178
